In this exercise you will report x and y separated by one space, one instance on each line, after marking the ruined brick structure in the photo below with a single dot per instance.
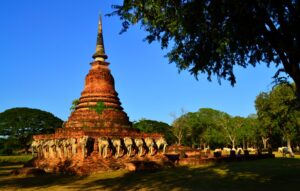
94 140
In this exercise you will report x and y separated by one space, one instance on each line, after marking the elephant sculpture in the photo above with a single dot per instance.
36 145
45 149
128 144
103 144
161 142
83 142
150 144
73 143
139 144
66 144
51 147
58 147
116 142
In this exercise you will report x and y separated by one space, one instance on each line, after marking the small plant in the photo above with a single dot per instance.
74 104
99 107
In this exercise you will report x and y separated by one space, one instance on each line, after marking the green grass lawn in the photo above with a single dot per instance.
18 159
266 174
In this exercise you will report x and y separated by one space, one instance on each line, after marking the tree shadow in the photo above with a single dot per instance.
279 174
266 174
31 181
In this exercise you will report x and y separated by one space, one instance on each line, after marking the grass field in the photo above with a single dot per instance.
267 174
9 160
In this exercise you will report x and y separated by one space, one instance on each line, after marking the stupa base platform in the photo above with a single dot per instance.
84 151
95 164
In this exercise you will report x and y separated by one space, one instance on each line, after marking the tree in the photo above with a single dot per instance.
212 133
249 132
284 112
230 126
152 126
19 124
213 36
179 126
277 112
202 128
263 109
178 129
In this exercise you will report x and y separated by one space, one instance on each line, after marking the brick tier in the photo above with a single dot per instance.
99 87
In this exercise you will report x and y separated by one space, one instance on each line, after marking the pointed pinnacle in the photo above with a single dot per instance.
100 51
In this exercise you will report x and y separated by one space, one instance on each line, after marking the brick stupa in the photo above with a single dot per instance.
94 140
99 87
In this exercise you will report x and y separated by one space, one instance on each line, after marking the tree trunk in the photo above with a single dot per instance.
294 71
244 144
265 141
288 142
179 140
233 144
297 83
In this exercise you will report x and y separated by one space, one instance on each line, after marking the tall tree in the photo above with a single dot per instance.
202 128
230 126
263 107
213 36
212 132
277 112
19 124
284 111
179 126
249 133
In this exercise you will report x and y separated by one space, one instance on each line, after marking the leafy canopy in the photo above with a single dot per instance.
19 124
277 112
213 36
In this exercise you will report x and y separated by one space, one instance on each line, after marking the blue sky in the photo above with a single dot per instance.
46 47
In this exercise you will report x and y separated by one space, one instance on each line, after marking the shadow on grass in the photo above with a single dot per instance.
30 181
268 174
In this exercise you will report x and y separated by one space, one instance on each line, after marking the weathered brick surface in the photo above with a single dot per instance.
99 87
83 166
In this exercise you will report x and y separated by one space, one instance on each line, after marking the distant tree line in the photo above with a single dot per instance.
277 123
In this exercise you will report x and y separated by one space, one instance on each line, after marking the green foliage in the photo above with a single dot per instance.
277 112
248 134
74 104
216 129
213 36
17 125
99 107
152 126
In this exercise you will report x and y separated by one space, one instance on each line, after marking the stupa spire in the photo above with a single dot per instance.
100 51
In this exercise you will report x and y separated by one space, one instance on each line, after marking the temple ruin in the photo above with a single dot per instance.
98 134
